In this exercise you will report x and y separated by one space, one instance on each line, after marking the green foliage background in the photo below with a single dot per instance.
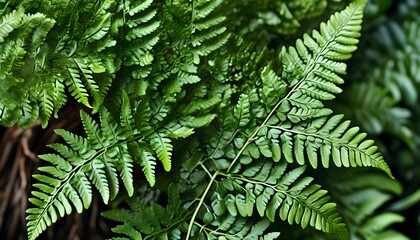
219 119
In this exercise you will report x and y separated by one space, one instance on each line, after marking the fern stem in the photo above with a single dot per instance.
190 225
251 139
206 170
163 230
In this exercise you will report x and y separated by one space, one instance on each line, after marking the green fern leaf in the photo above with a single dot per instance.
79 144
125 167
99 28
76 87
46 106
140 7
110 169
86 74
96 172
197 122
128 230
94 136
83 187
41 31
83 162
142 34
312 67
242 111
148 163
10 22
60 97
207 33
330 139
289 195
127 117
109 126
142 30
163 148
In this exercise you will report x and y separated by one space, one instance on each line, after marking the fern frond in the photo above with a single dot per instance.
127 116
142 33
125 169
86 76
29 114
268 188
186 73
312 66
200 104
96 173
163 148
208 33
55 55
147 161
242 111
99 28
85 161
60 97
327 139
76 87
197 122
110 128
46 105
94 136
140 7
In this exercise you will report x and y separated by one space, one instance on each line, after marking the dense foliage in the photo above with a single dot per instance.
213 119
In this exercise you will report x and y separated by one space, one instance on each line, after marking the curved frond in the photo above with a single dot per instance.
325 139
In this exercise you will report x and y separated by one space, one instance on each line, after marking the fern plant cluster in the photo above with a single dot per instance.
231 135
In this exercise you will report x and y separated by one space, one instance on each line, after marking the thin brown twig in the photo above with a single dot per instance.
8 142
7 195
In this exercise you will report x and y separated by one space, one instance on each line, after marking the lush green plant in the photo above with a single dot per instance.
229 131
